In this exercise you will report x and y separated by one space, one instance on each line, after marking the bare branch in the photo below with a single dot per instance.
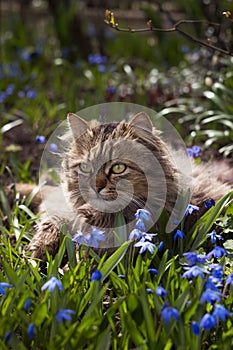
110 20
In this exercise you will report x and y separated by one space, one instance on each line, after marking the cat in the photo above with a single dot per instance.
119 166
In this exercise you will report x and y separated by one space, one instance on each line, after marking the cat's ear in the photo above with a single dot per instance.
78 125
142 120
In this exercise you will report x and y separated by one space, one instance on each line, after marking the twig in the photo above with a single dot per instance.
110 20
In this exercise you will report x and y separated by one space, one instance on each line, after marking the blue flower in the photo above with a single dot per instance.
135 234
79 238
190 152
161 246
3 96
111 89
217 272
221 312
53 147
121 277
36 293
161 292
229 280
194 151
95 236
179 234
7 336
31 331
51 284
210 296
208 321
143 214
96 276
214 236
101 68
195 328
4 285
194 271
191 257
153 271
10 89
211 284
27 304
145 246
217 252
40 139
140 225
21 94
185 49
148 236
169 312
97 59
201 258
31 94
91 238
190 209
64 315
209 203
149 291
26 56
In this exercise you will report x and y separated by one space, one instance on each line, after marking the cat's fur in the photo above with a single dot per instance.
93 141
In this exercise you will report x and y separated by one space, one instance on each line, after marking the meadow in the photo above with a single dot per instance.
176 293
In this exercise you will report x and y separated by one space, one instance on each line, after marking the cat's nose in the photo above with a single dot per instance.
100 184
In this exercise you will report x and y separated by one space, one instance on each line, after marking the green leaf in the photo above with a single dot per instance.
132 329
104 340
114 259
135 308
40 314
27 211
71 251
120 230
148 319
204 224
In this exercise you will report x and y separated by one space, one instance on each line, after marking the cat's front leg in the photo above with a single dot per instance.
47 238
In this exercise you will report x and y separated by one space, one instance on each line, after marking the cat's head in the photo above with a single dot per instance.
116 167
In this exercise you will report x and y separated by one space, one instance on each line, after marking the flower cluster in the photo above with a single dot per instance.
91 238
212 275
194 151
145 239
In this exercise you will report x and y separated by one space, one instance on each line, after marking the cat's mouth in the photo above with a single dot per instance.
106 202
107 195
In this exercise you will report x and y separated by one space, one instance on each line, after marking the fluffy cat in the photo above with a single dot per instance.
99 180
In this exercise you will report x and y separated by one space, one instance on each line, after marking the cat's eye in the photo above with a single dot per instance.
85 167
118 168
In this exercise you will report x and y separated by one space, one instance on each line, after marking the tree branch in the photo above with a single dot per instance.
110 20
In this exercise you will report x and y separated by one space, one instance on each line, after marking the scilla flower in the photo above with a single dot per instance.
51 284
145 245
96 276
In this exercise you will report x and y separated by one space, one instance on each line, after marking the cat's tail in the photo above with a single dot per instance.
211 181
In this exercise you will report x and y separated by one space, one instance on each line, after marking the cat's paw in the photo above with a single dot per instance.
47 239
